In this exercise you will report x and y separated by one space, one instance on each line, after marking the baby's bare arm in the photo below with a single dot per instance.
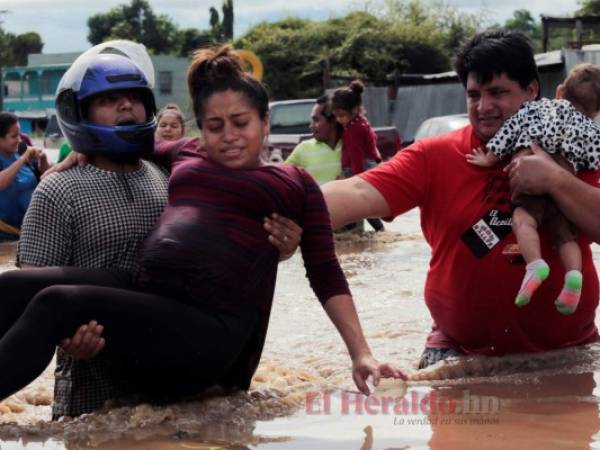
482 159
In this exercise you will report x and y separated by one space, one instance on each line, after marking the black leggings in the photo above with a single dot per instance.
168 347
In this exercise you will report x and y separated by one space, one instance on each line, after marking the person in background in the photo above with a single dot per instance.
359 147
170 123
18 176
321 155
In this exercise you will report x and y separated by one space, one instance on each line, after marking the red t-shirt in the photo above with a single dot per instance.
359 142
471 298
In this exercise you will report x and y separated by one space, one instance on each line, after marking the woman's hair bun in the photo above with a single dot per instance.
357 87
209 65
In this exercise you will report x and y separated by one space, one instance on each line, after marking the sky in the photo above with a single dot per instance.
62 24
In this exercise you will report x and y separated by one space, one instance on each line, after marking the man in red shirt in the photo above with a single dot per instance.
466 216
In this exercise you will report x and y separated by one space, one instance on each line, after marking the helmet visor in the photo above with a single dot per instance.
72 79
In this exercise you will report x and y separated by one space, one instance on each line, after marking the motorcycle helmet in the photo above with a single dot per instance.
108 67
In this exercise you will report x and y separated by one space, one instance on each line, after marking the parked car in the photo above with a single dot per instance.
290 125
435 126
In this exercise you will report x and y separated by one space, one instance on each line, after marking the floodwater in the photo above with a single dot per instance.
302 396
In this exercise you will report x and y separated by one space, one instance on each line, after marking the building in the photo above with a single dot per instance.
30 91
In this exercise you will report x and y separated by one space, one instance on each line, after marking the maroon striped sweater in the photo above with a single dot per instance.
210 248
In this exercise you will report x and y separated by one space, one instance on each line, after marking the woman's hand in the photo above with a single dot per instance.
365 365
284 234
73 159
342 312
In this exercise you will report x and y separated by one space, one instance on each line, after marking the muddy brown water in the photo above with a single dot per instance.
302 396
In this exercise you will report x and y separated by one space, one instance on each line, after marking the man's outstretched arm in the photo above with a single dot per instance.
353 199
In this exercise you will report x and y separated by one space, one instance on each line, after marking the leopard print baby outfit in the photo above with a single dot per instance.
556 126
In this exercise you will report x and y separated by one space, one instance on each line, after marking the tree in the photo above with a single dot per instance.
5 50
437 19
222 30
588 7
522 21
191 39
228 20
24 44
358 45
215 22
14 49
136 22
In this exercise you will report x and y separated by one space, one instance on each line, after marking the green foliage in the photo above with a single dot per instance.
191 39
436 20
228 20
590 32
588 7
214 21
222 30
138 22
14 48
23 45
359 45
285 56
559 35
523 21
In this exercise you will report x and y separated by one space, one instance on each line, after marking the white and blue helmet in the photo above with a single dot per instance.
111 66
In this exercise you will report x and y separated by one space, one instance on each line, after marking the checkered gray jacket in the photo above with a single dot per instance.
92 218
